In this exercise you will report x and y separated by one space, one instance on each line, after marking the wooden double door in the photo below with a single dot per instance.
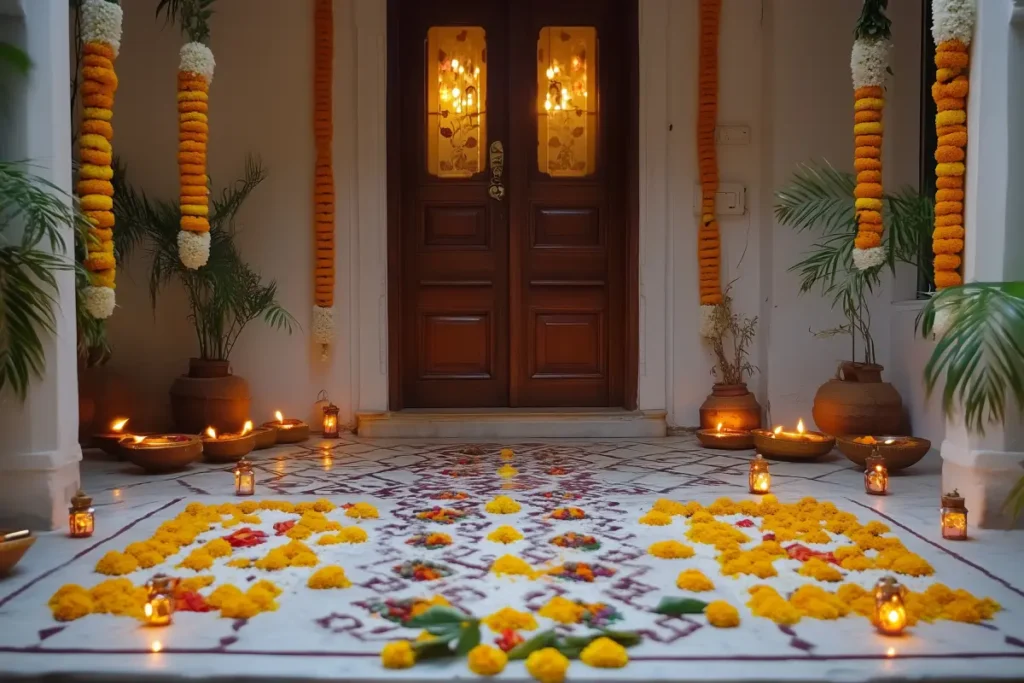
510 171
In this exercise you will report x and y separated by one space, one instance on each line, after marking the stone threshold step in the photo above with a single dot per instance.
512 423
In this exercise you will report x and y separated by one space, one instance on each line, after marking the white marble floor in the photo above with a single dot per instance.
331 636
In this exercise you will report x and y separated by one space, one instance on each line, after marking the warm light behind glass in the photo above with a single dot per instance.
456 101
156 646
954 524
567 101
81 523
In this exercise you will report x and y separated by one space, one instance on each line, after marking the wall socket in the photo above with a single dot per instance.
732 135
730 199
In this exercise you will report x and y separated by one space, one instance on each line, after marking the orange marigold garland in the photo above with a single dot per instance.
709 251
323 190
195 74
101 39
869 63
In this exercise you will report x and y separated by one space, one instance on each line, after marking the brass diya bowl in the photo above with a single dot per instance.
164 453
726 440
110 442
228 449
294 434
12 551
775 448
903 452
265 437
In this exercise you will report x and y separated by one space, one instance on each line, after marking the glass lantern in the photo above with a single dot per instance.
760 479
890 612
245 478
954 517
81 516
876 474
331 421
160 600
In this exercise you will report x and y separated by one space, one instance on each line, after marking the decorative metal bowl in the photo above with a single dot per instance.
903 452
12 551
230 449
164 452
265 437
295 434
785 448
725 440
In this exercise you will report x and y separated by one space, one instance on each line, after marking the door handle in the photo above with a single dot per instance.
497 154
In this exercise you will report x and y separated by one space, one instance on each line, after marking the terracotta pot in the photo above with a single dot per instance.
228 450
209 396
733 406
858 402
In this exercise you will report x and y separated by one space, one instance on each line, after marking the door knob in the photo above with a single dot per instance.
497 154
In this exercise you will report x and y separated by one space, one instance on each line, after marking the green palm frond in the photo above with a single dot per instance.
818 197
192 16
980 358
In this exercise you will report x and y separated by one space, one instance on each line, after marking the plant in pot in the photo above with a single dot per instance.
224 296
730 403
820 199
979 359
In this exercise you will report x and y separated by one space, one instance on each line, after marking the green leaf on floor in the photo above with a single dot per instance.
675 607
438 615
468 639
538 642
436 648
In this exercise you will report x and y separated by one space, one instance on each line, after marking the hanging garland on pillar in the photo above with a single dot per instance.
869 64
101 41
323 190
709 248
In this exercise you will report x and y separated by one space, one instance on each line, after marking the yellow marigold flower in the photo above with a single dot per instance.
222 594
769 504
397 655
702 516
240 563
669 507
333 526
722 506
248 507
656 518
263 597
362 511
604 653
507 454
670 550
912 565
197 560
299 532
331 576
353 534
694 580
273 561
502 505
562 610
856 563
116 564
313 520
817 568
242 607
485 660
194 583
421 606
329 539
816 536
510 564
547 665
507 471
218 548
875 528
508 619
817 603
71 605
305 560
721 614
505 534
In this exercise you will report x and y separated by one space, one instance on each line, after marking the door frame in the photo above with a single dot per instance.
631 312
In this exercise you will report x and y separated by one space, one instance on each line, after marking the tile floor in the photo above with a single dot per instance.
331 634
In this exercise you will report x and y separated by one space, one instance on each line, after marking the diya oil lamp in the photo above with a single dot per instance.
110 440
162 452
797 445
876 474
725 438
228 447
245 478
954 517
289 430
890 612
760 479
160 600
330 422
81 516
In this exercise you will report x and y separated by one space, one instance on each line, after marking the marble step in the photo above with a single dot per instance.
512 423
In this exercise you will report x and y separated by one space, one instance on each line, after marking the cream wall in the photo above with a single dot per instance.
784 71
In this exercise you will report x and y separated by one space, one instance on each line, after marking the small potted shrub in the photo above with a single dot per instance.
730 403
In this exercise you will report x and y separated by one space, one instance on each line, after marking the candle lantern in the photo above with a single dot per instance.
954 517
760 479
890 612
876 474
81 516
331 421
245 478
160 600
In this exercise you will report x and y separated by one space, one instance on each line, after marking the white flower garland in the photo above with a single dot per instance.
98 301
323 328
866 259
708 314
101 23
194 248
198 59
869 62
953 20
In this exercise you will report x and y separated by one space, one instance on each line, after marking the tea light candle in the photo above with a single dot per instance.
160 602
81 516
760 479
876 474
245 478
890 612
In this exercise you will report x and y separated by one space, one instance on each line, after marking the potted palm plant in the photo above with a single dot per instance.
820 199
978 356
730 403
224 296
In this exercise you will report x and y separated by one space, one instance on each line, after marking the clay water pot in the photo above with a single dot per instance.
209 396
857 401
733 406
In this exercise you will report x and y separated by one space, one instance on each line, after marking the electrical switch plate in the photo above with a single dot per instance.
730 199
732 135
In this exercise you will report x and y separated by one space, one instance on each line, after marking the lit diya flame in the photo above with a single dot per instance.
211 432
776 431
138 439
889 441
118 424
719 428
278 416
800 426
246 428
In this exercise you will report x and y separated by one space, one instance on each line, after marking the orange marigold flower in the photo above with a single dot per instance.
945 278
945 154
868 191
947 246
867 240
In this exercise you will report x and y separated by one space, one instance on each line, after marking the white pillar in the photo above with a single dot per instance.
39 450
985 468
